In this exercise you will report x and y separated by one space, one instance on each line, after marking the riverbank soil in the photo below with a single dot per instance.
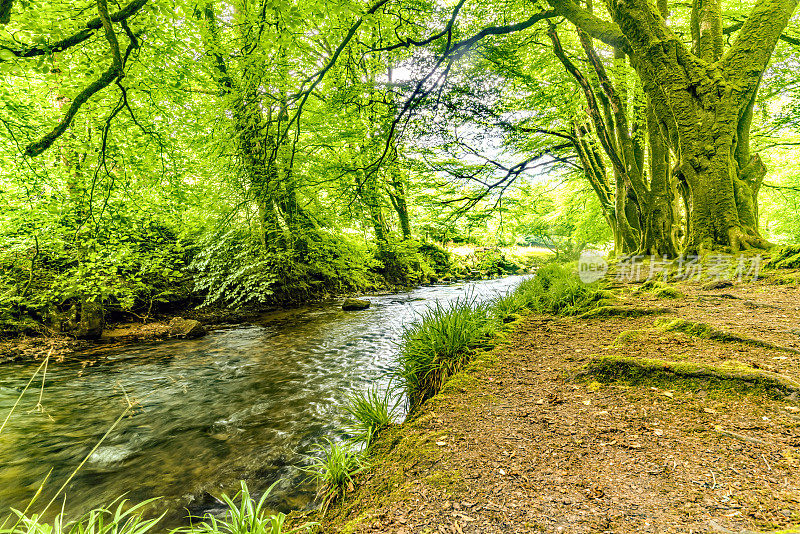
528 441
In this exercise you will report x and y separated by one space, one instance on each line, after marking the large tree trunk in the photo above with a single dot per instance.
702 100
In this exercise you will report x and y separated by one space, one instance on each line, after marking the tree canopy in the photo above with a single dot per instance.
256 151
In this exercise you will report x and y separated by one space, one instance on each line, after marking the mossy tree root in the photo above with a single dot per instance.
706 331
627 367
624 311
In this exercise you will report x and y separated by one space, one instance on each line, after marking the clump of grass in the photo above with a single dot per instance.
371 412
247 517
439 344
556 289
121 520
334 468
508 307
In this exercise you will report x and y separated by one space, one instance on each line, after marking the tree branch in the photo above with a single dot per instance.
607 32
751 51
79 37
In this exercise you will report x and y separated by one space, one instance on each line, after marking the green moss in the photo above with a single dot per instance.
668 293
690 328
629 337
733 372
660 289
706 331
785 258
450 482
624 311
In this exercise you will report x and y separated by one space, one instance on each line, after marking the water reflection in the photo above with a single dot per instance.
245 402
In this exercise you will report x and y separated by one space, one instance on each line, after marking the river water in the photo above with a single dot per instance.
247 402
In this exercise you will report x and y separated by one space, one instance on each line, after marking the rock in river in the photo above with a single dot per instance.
186 328
355 304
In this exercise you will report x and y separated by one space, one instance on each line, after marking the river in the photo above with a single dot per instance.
246 402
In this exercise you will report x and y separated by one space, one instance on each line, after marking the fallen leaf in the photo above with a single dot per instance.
667 394
441 443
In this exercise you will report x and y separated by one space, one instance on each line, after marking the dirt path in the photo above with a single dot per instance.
525 445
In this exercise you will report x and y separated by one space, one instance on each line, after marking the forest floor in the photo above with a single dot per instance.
524 441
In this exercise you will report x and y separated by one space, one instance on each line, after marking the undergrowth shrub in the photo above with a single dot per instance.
233 268
439 259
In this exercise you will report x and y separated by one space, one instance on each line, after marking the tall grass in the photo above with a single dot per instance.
439 344
371 412
556 289
122 520
333 468
247 517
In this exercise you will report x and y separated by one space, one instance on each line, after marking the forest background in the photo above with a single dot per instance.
160 154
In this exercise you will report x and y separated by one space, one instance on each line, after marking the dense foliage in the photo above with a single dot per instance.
163 153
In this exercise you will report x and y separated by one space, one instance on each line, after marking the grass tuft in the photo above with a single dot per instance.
334 468
439 344
121 520
371 413
246 517
557 290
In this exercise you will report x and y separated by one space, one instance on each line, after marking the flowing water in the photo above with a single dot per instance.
247 402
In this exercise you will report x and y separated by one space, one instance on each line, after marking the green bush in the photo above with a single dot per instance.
437 257
234 269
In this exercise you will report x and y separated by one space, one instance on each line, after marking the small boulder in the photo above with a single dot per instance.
355 304
186 328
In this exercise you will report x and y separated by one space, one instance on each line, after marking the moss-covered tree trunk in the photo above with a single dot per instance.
702 100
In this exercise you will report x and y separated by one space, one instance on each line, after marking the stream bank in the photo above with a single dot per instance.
525 441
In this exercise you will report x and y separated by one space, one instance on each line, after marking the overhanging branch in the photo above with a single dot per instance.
76 38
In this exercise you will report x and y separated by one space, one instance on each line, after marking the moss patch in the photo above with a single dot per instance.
637 369
624 311
706 331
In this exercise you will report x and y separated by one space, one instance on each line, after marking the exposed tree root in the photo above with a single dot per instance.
661 290
621 367
703 330
624 311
